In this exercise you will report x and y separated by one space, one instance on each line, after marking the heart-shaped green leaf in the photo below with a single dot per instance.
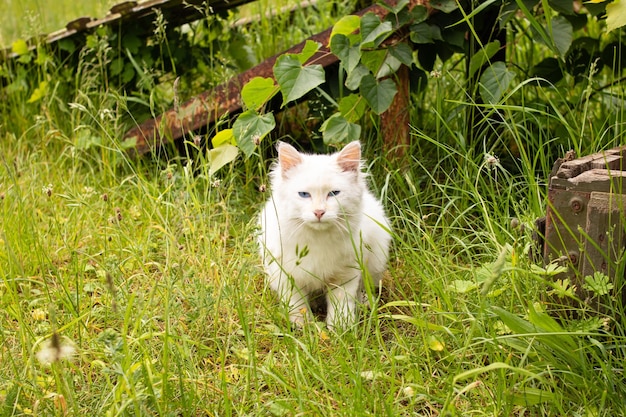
337 129
294 79
250 128
19 47
495 81
349 55
352 107
419 14
345 26
220 156
308 50
353 81
374 31
562 34
379 94
425 33
257 92
615 15
397 8
445 6
373 60
223 137
403 53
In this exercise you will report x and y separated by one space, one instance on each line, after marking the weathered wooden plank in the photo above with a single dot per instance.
604 241
592 180
585 220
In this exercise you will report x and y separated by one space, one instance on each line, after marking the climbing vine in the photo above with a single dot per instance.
370 55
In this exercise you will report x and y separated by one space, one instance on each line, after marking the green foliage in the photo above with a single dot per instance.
599 284
369 60
296 80
250 128
366 64
494 81
147 269
257 92
615 15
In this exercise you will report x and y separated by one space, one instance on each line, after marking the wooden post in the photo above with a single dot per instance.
395 121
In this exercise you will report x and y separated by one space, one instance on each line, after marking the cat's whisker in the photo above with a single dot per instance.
296 230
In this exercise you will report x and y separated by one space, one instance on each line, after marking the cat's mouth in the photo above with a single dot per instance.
319 224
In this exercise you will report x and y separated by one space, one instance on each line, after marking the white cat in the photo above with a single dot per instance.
321 229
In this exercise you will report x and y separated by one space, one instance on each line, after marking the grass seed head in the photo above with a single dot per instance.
55 349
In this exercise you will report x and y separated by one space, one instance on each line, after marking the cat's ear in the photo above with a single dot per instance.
349 159
288 157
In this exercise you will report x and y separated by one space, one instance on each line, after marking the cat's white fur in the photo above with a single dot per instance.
320 229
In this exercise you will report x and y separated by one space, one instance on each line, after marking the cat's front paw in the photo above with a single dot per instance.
341 317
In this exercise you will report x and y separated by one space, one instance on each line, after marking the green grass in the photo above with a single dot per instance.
25 19
149 270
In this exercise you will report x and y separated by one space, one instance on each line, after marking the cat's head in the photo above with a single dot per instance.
319 191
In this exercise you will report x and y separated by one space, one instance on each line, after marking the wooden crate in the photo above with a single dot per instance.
585 222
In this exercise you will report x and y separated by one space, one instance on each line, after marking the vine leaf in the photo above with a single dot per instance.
223 137
403 53
352 107
294 79
483 56
379 94
397 8
374 60
425 33
336 129
373 30
615 15
19 47
308 50
250 128
384 62
349 54
495 81
39 92
220 156
445 6
354 78
345 26
257 92
419 14
563 34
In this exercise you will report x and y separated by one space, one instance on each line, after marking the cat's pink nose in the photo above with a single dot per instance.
319 213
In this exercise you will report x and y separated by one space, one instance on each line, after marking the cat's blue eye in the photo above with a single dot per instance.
334 193
304 194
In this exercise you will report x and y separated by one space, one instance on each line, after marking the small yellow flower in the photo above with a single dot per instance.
38 314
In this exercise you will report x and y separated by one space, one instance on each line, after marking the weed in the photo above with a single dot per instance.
146 270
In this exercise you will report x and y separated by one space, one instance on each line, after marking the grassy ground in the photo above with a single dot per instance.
25 19
133 287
